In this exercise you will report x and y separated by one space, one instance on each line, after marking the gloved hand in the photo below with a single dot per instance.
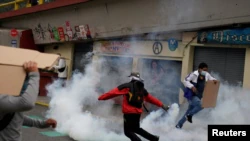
165 107
51 122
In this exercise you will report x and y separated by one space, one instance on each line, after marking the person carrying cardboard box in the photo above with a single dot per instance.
195 84
11 107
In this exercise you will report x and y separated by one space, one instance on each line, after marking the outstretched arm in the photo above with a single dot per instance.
113 93
210 77
39 123
149 98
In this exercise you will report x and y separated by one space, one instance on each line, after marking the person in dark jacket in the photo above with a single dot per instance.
134 94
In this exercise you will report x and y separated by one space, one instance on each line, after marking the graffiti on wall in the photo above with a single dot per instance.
52 33
39 31
115 47
61 33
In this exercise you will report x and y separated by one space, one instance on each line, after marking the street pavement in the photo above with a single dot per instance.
48 134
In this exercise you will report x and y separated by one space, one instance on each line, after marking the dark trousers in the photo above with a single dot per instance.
132 126
63 80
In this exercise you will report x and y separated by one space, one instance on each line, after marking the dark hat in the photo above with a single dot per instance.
136 75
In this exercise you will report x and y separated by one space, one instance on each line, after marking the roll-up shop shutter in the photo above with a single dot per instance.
80 55
227 62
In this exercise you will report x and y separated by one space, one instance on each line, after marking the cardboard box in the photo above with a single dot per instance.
12 73
210 94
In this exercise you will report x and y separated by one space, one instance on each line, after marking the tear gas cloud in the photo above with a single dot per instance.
83 117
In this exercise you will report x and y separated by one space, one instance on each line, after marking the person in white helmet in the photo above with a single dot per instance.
134 94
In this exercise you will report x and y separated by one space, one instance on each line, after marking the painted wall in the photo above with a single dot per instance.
109 18
6 38
187 61
66 50
246 79
152 49
143 49
189 53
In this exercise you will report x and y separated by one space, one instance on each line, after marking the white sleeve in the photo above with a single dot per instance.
187 80
61 64
210 77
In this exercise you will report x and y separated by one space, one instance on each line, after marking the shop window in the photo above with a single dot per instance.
162 78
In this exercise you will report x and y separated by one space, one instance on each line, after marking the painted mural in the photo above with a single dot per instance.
52 34
115 47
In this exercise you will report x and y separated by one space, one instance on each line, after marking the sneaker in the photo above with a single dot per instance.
157 138
178 127
189 118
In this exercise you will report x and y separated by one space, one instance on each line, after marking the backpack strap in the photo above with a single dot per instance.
4 122
131 90
123 86
145 107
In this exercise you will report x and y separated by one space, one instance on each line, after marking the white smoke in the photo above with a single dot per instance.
83 117
68 103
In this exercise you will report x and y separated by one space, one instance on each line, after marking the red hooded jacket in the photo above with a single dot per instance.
126 108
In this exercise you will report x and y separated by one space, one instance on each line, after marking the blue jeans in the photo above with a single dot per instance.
193 108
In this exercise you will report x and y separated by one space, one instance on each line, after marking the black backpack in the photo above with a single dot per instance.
4 122
135 96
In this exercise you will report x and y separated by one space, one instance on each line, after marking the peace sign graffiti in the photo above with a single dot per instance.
157 47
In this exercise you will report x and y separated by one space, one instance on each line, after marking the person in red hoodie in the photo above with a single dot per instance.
134 94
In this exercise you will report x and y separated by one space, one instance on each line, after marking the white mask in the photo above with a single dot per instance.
203 73
135 78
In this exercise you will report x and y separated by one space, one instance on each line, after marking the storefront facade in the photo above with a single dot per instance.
229 61
225 51
159 62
